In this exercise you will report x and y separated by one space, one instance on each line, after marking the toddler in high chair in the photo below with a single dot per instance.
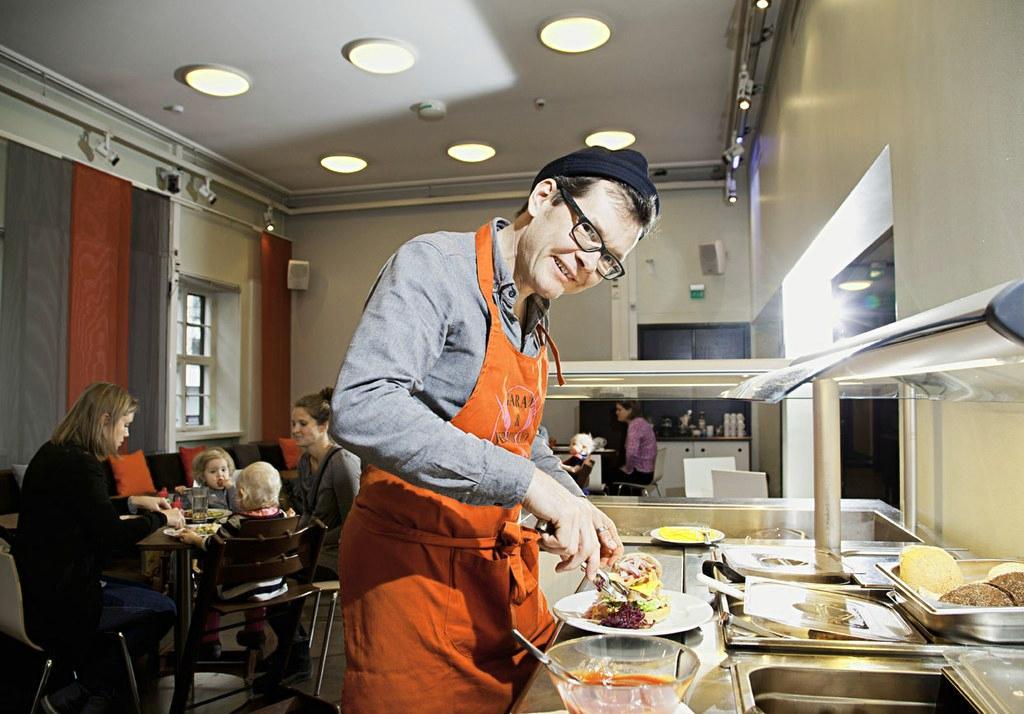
258 490
212 468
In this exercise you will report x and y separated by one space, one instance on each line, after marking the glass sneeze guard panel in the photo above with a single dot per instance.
971 349
655 379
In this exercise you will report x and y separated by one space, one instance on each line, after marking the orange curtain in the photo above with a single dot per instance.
99 280
275 336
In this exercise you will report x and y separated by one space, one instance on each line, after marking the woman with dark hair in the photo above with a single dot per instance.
328 479
641 446
67 528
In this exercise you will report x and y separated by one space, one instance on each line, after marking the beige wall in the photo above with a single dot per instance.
934 80
669 261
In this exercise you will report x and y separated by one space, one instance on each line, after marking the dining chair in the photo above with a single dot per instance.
332 587
248 558
727 483
12 624
697 474
659 473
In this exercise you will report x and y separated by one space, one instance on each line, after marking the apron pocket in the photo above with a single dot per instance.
478 620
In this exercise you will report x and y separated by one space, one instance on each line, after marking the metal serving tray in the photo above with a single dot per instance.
794 563
990 625
741 631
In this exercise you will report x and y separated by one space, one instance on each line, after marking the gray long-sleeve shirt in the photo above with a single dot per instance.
412 365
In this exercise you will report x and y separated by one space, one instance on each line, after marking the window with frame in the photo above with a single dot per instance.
196 358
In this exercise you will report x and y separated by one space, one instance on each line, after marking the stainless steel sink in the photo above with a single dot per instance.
872 521
795 689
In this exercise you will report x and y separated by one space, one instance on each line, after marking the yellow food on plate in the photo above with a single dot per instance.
688 534
930 570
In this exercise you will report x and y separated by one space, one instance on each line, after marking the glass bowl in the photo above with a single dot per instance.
623 673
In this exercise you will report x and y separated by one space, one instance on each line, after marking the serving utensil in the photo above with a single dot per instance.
543 658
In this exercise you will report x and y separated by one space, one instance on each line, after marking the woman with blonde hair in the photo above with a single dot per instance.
67 528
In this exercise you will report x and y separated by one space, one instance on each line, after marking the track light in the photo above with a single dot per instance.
730 188
762 4
206 191
170 178
268 219
104 149
733 156
745 89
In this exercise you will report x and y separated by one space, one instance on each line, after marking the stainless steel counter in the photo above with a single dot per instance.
868 527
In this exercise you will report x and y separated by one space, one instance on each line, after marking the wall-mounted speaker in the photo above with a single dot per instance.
712 258
298 274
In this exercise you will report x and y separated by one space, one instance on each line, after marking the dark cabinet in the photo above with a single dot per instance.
726 341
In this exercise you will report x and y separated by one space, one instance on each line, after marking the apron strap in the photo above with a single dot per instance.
546 340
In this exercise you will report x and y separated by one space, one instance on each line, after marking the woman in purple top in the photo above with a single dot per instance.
641 446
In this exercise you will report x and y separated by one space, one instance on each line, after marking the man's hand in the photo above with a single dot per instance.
608 534
575 522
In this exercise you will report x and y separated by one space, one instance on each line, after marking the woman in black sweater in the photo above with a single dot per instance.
67 527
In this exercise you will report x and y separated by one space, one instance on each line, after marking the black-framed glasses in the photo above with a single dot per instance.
589 240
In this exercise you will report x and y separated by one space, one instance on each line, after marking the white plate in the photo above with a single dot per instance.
687 612
200 528
686 535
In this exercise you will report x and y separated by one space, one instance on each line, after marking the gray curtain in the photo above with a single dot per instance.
34 301
147 329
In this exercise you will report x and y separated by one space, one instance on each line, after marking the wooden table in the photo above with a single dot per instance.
181 591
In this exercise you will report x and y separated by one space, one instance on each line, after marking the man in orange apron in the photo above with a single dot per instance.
441 393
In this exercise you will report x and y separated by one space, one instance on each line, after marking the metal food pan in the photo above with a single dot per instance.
990 625
741 631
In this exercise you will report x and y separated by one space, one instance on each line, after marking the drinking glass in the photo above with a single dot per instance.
623 673
200 503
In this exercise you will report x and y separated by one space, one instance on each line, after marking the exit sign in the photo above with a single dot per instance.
697 292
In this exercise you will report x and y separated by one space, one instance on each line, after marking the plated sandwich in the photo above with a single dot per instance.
645 604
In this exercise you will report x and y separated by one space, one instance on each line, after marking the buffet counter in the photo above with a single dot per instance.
729 674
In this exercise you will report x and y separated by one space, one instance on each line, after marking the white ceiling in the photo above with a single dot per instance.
664 75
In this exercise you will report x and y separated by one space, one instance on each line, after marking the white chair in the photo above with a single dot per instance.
739 484
12 615
697 474
659 473
331 587
12 624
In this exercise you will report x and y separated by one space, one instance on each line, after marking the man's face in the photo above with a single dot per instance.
548 262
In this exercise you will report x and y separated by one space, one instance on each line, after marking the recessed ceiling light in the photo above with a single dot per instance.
575 34
341 164
471 152
215 80
612 139
855 285
379 56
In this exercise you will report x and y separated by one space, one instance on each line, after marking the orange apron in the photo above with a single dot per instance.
431 587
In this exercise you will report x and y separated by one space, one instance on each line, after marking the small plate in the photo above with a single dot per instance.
212 514
203 529
687 612
686 535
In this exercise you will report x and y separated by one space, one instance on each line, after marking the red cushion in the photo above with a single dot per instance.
291 452
188 454
131 474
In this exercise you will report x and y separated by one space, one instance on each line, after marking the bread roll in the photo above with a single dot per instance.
1004 568
1012 584
930 569
977 595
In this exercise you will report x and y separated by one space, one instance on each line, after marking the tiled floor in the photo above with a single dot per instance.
157 699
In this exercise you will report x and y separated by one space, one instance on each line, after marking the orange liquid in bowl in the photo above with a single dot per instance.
603 693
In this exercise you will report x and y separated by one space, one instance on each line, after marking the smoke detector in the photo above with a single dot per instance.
430 109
